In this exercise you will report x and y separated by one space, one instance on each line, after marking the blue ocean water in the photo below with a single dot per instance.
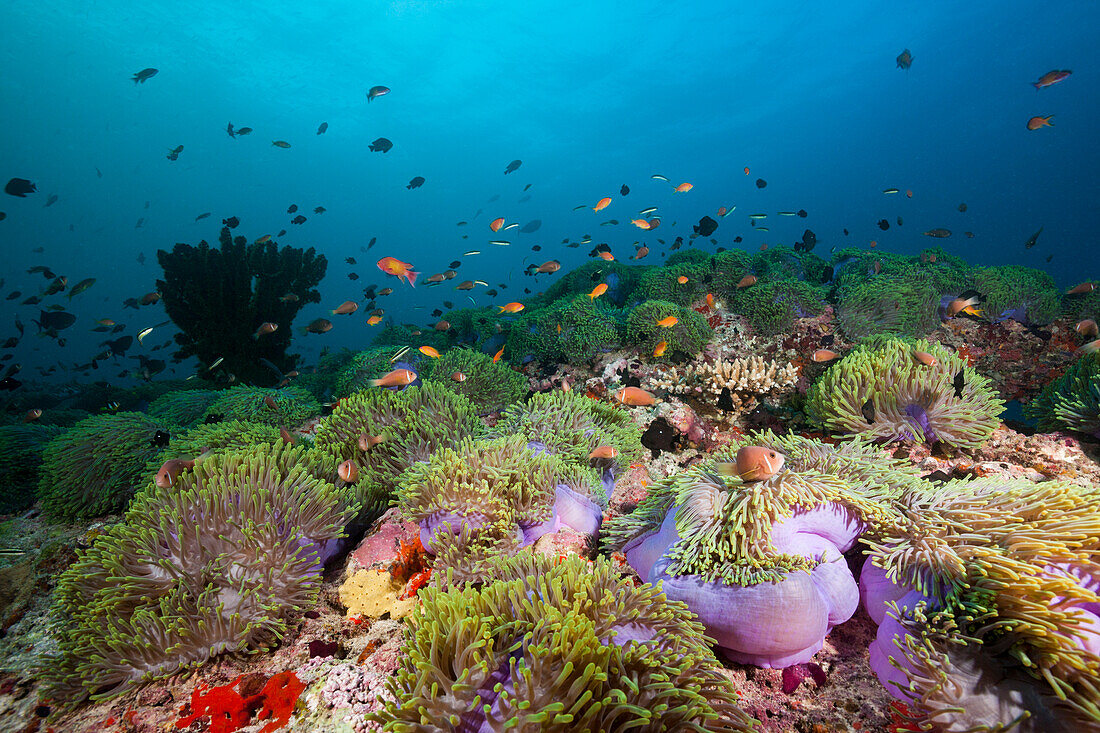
589 97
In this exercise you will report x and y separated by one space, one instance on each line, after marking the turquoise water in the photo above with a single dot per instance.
808 96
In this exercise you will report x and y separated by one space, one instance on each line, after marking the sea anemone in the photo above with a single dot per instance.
882 390
569 330
490 386
94 468
762 562
362 368
1072 401
505 494
687 336
403 427
772 307
1023 294
216 563
183 408
1002 575
557 646
293 406
900 305
21 449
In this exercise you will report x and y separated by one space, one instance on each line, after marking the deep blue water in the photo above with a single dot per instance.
807 95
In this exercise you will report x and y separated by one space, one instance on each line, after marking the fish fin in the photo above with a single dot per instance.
411 277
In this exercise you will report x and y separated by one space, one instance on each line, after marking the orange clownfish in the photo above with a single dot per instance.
634 396
396 378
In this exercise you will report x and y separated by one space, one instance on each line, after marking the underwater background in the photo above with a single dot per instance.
809 97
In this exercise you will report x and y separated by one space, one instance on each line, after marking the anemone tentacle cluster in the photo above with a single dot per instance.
990 591
1072 401
885 391
216 563
557 646
490 386
770 551
285 407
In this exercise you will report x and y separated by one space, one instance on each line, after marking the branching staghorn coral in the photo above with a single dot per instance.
490 386
571 426
293 405
497 496
882 390
761 562
1005 571
21 449
94 468
557 646
183 408
404 427
216 563
1072 401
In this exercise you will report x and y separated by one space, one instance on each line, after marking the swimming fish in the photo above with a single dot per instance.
634 396
822 355
1050 78
381 145
602 204
683 188
429 351
668 322
397 268
318 325
660 348
19 187
753 463
513 166
605 452
598 291
511 308
396 378
141 76
322 128
416 182
938 233
376 91
1036 122
170 472
746 281
280 143
345 309
1033 239
904 59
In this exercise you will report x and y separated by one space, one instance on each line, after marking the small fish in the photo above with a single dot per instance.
889 191
659 177
322 128
32 415
513 166
170 472
396 378
1033 239
924 358
1050 78
746 282
381 145
244 130
374 320
548 267
761 183
961 303
938 233
397 268
602 204
962 208
605 255
202 216
634 396
1086 328
429 351
318 325
904 59
641 253
496 356
822 355
81 286
280 143
458 377
442 325
668 321
264 329
624 190
605 452
598 291
660 349
640 223
511 308
348 471
496 224
1092 347
319 209
52 199
141 76
376 91
868 410
753 463
345 309
416 182
232 222
217 363
500 242
143 333
1036 122
959 382
683 188
289 298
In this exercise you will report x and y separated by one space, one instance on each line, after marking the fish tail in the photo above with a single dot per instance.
411 277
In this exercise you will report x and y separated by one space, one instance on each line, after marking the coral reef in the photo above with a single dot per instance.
94 468
736 385
773 307
363 367
21 449
490 386
987 592
214 564
1020 293
558 646
902 306
571 330
1071 402
285 407
761 562
219 297
884 390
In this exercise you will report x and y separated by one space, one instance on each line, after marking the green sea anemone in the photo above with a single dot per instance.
293 406
404 427
490 386
772 307
1072 401
621 280
688 335
217 563
363 367
663 283
557 646
785 263
1020 293
95 467
570 330
883 390
21 449
572 426
902 305
184 408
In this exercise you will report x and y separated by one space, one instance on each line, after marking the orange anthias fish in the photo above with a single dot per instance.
602 204
710 300
429 351
683 188
396 378
496 224
511 308
374 320
634 396
496 356
397 268
722 211
757 463
682 279
660 350
1036 122
668 322
640 223
345 309
746 170
598 291
1050 78
607 256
